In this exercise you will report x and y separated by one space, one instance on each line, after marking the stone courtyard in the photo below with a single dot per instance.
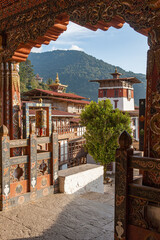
59 217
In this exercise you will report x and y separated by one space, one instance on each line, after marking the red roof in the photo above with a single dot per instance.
55 113
69 95
131 79
71 100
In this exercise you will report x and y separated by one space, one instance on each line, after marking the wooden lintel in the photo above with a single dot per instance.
89 26
17 59
46 42
60 26
21 54
55 31
23 50
53 36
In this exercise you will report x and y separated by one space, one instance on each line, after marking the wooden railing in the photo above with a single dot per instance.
132 199
77 130
33 174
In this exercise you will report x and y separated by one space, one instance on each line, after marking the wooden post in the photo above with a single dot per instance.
4 167
122 178
152 116
33 161
54 161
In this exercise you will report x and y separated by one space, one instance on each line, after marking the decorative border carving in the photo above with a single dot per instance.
137 212
144 192
147 164
33 22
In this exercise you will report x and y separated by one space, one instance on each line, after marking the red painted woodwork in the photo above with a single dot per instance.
100 94
43 181
23 183
110 93
122 92
137 233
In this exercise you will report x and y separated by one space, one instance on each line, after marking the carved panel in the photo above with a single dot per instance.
137 212
30 24
43 167
24 167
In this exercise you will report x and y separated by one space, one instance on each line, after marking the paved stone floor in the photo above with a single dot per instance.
59 217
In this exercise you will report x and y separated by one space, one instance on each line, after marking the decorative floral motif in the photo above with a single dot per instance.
33 182
43 167
6 190
137 211
29 25
21 200
119 200
119 229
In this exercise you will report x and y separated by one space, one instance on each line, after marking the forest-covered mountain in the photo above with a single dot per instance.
76 68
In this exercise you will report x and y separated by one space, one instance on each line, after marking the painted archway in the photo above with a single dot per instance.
26 24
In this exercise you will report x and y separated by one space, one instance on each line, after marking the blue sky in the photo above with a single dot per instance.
121 47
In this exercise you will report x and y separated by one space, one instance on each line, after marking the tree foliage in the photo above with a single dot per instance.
103 127
49 81
27 77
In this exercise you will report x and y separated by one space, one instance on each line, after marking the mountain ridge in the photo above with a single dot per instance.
76 68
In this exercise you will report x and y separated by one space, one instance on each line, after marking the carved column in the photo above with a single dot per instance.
5 94
152 124
10 102
123 177
15 106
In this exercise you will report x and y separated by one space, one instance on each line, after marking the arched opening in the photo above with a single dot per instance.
45 21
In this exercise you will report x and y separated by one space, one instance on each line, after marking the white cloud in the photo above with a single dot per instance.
53 48
71 39
37 50
75 47
74 29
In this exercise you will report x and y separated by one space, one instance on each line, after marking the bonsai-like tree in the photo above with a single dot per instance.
103 127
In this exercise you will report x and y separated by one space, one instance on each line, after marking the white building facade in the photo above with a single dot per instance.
120 92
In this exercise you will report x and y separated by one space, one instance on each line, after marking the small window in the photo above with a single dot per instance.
129 94
105 93
116 93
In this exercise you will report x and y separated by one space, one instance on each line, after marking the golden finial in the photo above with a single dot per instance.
57 79
116 70
40 100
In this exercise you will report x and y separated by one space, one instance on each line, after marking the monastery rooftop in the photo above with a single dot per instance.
130 79
49 92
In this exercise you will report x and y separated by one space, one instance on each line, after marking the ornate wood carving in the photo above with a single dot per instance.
144 163
123 176
152 129
4 167
137 212
33 163
144 192
34 19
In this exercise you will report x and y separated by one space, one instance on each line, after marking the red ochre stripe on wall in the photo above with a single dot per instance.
19 188
43 181
122 92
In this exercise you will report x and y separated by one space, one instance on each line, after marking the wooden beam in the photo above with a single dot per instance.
144 192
